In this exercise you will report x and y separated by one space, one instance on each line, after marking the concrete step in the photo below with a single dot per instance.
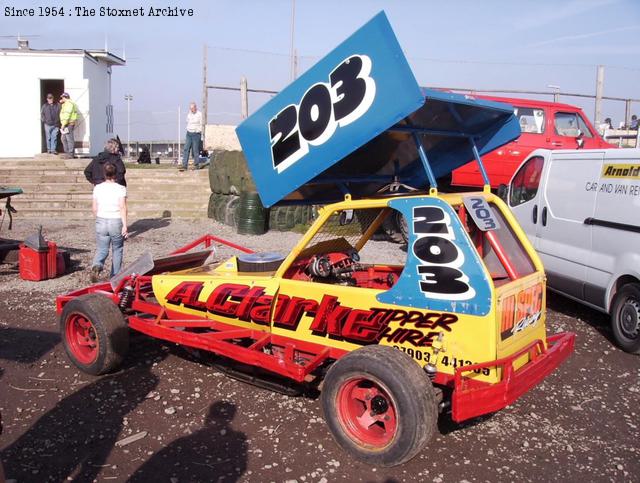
133 173
132 195
57 188
134 214
87 203
79 178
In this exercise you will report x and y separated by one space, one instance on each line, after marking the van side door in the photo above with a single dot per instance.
563 239
615 225
524 196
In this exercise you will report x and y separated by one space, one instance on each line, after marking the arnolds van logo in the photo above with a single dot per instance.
323 108
631 171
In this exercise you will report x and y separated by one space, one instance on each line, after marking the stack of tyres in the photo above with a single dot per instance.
229 174
284 218
228 177
223 208
252 216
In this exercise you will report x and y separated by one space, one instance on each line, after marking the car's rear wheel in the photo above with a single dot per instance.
379 405
625 318
94 333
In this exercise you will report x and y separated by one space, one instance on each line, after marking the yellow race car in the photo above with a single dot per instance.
452 322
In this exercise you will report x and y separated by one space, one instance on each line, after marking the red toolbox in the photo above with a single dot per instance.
39 264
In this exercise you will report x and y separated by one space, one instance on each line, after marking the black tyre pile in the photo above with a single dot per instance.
234 200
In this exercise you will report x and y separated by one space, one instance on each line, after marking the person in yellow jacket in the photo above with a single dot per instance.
68 118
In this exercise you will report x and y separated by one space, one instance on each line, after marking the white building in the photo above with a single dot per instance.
28 75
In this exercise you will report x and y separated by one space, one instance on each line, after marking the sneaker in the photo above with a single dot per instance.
95 273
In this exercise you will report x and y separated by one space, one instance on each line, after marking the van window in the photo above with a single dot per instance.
531 120
524 186
569 123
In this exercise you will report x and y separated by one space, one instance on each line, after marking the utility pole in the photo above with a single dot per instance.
205 95
599 92
292 51
128 98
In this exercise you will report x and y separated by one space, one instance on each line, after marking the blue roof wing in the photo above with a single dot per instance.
351 122
357 91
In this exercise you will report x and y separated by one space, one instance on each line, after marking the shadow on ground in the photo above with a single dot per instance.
139 227
214 452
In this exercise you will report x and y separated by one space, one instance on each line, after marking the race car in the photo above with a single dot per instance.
456 324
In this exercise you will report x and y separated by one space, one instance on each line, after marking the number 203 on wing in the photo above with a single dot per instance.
324 107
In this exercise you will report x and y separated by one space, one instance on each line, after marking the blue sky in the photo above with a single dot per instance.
491 44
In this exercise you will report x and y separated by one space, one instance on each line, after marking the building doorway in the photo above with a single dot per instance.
55 87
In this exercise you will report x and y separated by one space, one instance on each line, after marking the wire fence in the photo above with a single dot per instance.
570 83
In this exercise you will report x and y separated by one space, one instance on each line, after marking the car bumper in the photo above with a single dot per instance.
472 398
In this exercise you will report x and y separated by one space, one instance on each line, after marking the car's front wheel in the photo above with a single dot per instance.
379 405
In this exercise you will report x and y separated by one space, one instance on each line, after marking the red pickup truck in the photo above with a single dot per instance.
549 125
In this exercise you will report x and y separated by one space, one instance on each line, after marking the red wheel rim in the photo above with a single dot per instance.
82 338
367 412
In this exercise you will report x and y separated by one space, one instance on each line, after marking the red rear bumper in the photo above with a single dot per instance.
472 398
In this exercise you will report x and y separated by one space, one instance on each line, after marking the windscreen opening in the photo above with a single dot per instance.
500 249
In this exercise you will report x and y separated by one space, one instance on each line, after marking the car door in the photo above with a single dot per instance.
563 240
568 127
524 196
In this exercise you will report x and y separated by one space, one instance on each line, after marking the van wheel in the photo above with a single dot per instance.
379 405
625 318
94 333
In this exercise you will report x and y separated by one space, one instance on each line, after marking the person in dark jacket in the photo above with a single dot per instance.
94 172
50 117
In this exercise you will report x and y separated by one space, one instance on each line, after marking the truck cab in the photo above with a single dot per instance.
544 125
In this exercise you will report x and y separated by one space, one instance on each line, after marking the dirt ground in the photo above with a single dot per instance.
580 424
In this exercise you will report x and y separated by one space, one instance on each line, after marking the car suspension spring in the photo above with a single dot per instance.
126 297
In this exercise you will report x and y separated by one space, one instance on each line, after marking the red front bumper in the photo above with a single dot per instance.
472 398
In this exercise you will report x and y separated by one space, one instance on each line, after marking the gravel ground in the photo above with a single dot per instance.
195 424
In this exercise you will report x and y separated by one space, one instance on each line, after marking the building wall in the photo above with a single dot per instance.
99 98
87 82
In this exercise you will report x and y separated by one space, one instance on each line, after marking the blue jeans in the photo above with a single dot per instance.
109 232
192 143
51 136
68 141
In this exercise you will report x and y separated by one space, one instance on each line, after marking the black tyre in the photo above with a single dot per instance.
379 405
395 227
625 318
94 333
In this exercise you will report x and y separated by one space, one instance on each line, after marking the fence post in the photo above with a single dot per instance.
599 92
627 112
244 98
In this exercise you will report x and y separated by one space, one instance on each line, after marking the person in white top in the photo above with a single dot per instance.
110 210
194 136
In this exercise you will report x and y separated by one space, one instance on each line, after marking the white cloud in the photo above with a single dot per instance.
583 36
555 11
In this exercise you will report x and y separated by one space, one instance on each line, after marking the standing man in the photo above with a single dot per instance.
50 117
68 118
194 136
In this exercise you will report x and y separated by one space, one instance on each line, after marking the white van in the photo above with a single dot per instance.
581 211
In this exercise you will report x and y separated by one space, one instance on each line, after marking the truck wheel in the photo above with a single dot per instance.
395 227
94 333
625 318
379 405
